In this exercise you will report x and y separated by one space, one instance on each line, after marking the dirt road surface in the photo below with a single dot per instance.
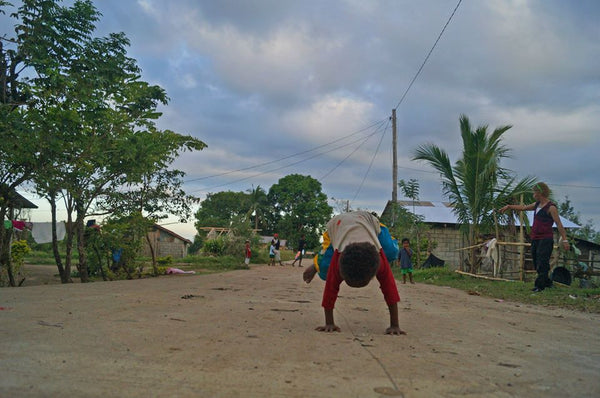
250 333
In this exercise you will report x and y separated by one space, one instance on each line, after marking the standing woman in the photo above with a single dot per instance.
542 236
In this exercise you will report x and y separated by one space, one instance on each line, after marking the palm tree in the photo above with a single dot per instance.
258 203
476 184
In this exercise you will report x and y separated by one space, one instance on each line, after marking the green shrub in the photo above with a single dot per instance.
165 261
214 246
162 270
18 250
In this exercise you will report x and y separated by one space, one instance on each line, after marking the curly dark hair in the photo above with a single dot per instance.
359 263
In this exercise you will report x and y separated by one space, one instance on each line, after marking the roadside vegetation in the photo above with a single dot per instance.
560 296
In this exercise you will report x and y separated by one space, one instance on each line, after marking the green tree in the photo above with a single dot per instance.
587 231
219 209
45 36
298 207
95 116
157 196
476 184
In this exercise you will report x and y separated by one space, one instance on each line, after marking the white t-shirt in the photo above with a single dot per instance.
353 227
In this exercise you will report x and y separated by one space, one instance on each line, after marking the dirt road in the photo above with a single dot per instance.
251 334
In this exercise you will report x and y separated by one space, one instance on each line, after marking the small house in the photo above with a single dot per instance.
165 243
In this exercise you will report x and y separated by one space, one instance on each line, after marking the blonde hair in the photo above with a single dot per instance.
543 189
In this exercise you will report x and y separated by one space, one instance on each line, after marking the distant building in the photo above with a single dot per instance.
165 243
17 202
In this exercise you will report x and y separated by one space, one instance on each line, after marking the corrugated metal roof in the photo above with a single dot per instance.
441 213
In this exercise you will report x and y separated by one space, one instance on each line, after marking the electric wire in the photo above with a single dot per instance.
370 164
321 146
346 158
428 55
284 166
377 123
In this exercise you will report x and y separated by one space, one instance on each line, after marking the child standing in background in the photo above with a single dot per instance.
248 254
405 260
272 253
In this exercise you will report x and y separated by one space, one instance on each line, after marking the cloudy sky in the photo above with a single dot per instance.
276 87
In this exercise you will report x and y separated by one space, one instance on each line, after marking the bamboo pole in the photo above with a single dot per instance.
514 244
470 247
483 276
498 243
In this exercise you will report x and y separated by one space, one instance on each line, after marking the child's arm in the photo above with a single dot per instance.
330 325
394 324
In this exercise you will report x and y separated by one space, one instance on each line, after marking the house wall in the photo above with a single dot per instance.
448 239
165 245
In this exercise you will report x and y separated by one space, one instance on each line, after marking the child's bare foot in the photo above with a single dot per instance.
309 273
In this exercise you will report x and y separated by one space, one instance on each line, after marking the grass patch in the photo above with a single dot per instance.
569 297
228 263
211 263
40 258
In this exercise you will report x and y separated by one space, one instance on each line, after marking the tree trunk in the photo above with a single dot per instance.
152 254
5 237
80 229
64 277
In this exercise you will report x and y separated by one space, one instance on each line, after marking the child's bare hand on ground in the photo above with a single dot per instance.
328 328
395 330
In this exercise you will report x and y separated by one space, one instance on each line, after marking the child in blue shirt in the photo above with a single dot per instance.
272 254
406 265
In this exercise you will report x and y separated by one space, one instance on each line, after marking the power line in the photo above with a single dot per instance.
286 165
574 186
370 165
332 142
346 158
377 123
428 54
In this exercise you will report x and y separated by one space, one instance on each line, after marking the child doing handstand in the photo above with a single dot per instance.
356 247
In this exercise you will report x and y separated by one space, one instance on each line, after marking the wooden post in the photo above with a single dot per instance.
395 169
521 240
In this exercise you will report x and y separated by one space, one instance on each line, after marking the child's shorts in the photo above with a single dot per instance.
407 270
271 256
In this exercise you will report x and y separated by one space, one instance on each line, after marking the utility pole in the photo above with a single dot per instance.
395 167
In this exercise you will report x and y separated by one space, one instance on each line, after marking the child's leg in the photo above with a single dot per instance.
411 278
403 277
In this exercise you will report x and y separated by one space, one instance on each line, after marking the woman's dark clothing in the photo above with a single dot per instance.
542 243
